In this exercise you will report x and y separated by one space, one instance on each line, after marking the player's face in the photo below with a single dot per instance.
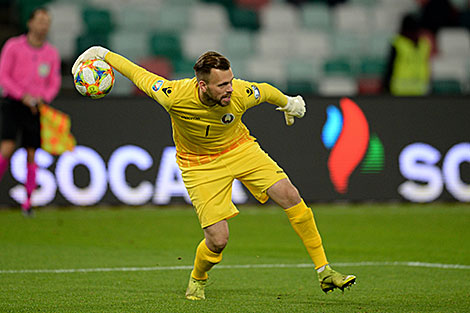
40 23
219 87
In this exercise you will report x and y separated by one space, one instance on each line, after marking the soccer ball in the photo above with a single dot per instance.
94 79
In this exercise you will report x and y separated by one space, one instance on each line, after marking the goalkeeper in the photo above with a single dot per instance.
214 147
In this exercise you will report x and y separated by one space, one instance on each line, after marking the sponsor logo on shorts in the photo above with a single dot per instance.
157 85
249 91
227 118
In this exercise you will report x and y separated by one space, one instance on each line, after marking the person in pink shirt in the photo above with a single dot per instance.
29 75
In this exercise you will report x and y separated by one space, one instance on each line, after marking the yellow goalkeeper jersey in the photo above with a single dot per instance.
201 133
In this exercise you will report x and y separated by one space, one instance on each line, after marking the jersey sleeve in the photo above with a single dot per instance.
257 93
271 94
146 81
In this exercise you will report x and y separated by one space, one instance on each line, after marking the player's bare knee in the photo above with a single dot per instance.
284 193
217 236
291 195
218 243
7 147
221 245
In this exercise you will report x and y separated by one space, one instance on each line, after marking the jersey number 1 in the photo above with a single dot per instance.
207 130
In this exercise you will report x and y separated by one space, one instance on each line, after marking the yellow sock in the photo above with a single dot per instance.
301 218
204 261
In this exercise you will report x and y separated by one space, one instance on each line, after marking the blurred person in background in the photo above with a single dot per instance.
214 147
435 14
331 3
408 66
29 75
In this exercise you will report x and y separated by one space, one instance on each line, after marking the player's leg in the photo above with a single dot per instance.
31 140
303 222
210 189
30 185
209 251
7 147
208 254
301 219
264 178
9 130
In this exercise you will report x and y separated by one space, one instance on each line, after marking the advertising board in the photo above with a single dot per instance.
358 149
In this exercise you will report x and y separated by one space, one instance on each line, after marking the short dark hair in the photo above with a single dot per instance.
409 24
36 10
208 61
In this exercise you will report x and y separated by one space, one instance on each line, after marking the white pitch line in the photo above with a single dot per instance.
246 266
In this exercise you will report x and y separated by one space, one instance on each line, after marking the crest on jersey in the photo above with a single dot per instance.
252 91
157 85
44 69
255 91
227 118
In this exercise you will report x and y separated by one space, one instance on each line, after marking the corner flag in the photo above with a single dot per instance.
55 131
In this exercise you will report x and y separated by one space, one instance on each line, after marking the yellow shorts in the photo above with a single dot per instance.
210 185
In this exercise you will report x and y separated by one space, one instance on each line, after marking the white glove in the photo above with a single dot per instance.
95 52
295 107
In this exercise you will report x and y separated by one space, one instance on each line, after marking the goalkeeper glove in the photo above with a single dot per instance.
95 52
295 107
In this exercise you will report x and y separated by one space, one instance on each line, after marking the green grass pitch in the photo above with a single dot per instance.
139 259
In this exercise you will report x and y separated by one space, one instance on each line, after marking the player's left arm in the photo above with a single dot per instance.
291 106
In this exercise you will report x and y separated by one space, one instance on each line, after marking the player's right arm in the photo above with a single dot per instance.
143 79
7 64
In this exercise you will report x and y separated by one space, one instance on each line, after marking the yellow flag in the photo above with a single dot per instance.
55 131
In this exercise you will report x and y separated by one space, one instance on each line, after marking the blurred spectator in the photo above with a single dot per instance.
297 2
335 2
329 2
408 68
436 14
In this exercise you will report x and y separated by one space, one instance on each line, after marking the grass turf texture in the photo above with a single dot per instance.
140 237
